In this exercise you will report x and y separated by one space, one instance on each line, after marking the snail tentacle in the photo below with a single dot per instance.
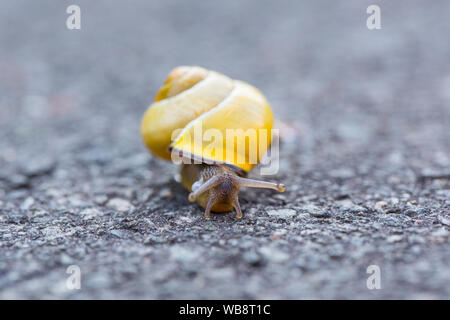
211 183
237 207
208 207
250 183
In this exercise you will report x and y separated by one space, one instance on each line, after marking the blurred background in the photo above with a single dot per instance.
365 151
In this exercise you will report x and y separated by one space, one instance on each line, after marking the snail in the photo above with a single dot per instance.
194 98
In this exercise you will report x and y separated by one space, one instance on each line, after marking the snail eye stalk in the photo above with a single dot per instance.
250 183
211 183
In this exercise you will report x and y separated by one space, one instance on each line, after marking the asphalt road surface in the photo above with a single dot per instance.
365 151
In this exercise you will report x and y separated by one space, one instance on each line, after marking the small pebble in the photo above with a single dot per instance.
153 240
394 238
380 204
252 258
119 204
117 233
282 213
274 254
444 220
27 204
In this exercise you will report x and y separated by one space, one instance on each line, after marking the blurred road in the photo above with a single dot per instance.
365 151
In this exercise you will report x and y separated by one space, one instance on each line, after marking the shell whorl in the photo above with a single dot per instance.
194 96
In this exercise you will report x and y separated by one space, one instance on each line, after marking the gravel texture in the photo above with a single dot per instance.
365 151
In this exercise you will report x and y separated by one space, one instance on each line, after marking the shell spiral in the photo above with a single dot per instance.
194 97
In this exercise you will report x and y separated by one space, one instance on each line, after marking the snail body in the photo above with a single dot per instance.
194 98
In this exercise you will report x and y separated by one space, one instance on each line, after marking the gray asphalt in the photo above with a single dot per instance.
365 151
